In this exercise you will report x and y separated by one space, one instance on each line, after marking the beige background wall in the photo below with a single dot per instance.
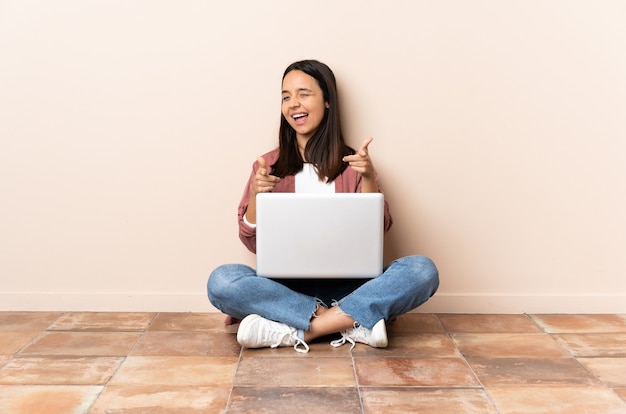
128 128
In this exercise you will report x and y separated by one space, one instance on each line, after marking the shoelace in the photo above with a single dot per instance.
305 346
284 339
354 335
344 338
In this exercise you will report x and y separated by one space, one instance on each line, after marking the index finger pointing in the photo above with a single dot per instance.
262 166
363 150
366 143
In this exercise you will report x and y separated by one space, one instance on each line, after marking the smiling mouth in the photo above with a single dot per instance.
299 118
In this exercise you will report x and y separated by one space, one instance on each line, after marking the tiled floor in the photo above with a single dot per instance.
190 363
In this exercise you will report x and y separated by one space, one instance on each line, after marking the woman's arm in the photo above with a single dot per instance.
260 181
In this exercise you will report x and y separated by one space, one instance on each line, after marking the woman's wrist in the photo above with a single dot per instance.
369 185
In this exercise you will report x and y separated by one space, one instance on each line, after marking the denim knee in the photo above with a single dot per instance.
219 285
424 272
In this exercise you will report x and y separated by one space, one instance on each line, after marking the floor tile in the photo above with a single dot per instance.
425 372
162 399
415 323
176 371
190 362
505 345
187 344
415 346
487 323
424 400
59 371
27 321
339 400
598 345
531 371
189 322
621 392
318 350
295 372
611 371
581 323
12 342
102 321
556 400
47 399
83 343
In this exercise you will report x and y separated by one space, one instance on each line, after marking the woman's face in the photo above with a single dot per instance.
303 104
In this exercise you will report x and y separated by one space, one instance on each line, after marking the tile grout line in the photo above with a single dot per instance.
583 366
232 383
356 381
123 359
464 358
17 353
38 336
571 353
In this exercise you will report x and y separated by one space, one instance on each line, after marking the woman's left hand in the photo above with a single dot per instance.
361 161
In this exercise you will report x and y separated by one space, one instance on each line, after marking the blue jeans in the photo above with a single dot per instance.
406 283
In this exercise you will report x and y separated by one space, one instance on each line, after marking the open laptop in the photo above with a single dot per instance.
336 235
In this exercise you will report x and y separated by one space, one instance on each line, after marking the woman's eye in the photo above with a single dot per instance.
285 98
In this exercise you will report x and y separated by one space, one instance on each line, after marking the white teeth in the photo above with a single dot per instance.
298 116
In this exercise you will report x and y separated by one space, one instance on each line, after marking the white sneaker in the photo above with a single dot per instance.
258 332
376 337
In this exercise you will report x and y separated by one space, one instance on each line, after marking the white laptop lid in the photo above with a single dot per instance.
319 235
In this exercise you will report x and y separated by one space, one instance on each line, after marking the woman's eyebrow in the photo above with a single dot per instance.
299 90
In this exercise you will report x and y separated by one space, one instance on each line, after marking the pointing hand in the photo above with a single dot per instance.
361 161
263 182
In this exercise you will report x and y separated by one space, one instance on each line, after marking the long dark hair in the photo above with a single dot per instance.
326 148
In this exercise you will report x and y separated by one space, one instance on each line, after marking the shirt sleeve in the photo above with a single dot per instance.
247 233
247 223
